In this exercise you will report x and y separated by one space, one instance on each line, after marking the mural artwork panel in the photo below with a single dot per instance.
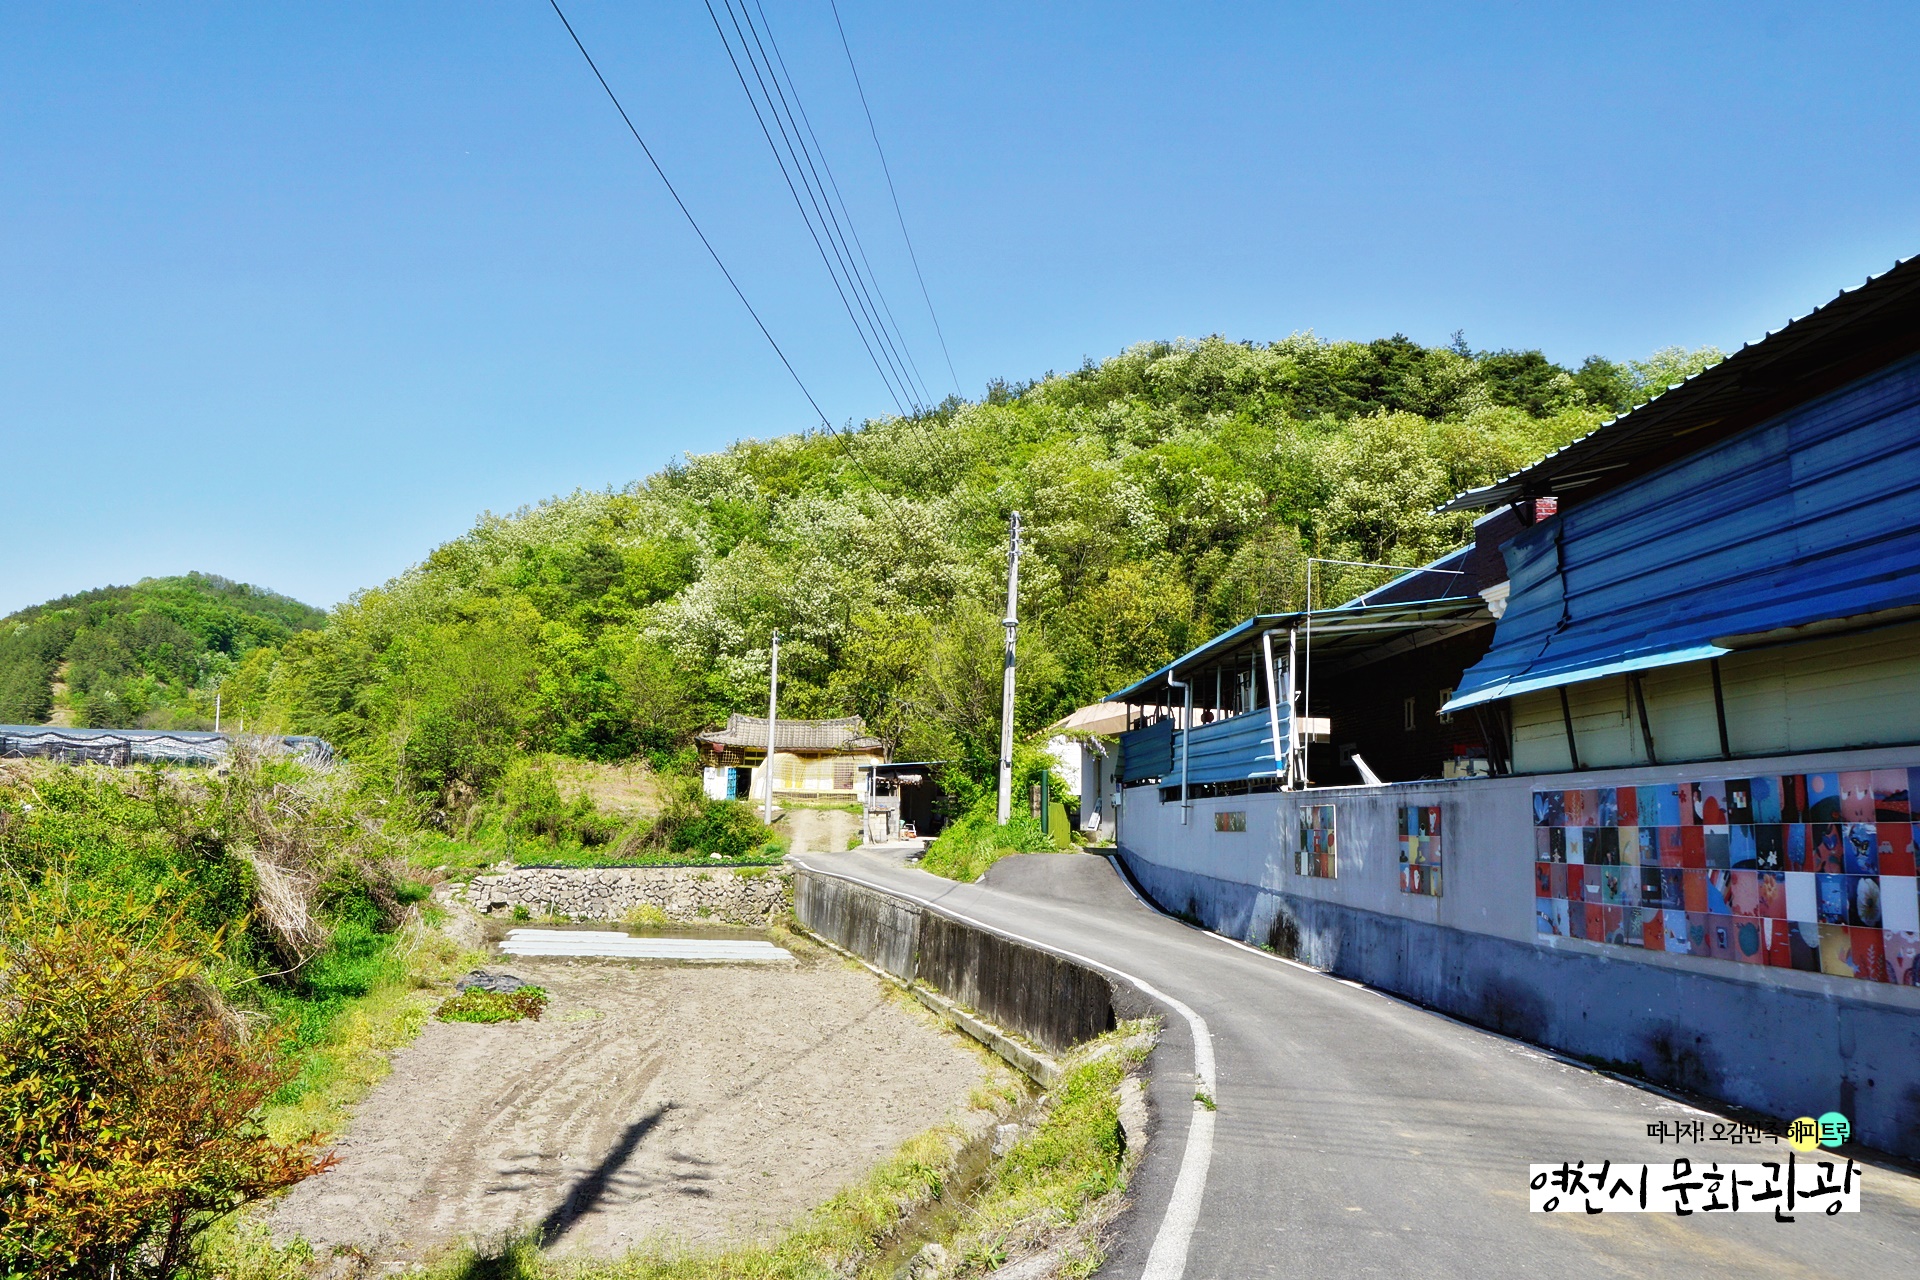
1420 849
1812 871
1316 855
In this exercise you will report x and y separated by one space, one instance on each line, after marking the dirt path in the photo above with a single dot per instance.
820 830
702 1103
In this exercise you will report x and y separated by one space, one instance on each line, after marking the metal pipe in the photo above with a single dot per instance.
1566 715
1282 759
1720 709
1646 726
1296 767
1186 721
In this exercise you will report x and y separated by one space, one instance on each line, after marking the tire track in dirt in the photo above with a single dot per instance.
703 1103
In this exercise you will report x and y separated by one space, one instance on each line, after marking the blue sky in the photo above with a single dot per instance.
291 293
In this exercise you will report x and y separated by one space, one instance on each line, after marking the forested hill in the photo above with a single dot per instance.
1167 492
146 655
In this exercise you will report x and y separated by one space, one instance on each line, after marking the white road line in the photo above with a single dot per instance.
1167 1260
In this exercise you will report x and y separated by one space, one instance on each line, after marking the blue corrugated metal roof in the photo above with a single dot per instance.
1806 517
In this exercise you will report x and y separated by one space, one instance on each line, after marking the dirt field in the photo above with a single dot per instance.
703 1103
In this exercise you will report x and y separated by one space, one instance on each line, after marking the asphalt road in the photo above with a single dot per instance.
1357 1135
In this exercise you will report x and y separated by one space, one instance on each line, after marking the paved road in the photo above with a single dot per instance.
1359 1136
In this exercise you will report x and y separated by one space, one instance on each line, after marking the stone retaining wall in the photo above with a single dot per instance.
685 894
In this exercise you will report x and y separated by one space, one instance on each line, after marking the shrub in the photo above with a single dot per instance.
128 1092
729 828
966 849
475 1005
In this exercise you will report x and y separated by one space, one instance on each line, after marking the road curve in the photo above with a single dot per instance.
1358 1135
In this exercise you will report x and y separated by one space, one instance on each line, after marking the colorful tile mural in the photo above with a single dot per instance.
1812 871
1316 854
1420 849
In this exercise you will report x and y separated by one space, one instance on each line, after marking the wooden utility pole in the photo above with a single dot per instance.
773 711
1012 623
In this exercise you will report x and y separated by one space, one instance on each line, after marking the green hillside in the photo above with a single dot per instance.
1167 492
148 655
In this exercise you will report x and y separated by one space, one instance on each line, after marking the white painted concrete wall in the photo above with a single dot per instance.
1487 855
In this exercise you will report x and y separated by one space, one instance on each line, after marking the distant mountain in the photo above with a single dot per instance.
148 655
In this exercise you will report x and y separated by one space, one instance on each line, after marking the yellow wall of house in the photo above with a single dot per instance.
1855 690
840 773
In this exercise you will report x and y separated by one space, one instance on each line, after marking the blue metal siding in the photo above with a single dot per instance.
1806 517
1147 753
1229 750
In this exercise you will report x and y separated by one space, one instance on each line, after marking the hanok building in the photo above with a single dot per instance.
811 757
1630 776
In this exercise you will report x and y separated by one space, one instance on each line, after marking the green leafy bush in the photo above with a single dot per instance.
475 1005
128 1091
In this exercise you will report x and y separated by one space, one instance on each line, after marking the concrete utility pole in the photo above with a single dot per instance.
773 711
1011 623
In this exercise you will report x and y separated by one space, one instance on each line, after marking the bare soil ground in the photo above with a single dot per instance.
703 1104
820 830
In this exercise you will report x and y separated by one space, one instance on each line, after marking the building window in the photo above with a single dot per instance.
1406 709
1230 820
1446 696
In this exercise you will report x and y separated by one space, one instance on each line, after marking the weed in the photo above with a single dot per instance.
475 1005
644 915
1205 1099
521 913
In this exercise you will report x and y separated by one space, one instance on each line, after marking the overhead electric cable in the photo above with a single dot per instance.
691 221
868 330
896 335
816 192
911 255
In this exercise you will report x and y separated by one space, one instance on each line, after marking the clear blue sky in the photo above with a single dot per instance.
292 292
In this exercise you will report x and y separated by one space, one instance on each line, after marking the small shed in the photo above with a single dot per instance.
811 757
903 800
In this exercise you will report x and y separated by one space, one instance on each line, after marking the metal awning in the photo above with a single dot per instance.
1342 638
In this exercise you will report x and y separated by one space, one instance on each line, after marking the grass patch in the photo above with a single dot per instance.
375 1000
465 855
475 1005
966 849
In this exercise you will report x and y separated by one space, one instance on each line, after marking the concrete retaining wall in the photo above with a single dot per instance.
682 893
1053 1002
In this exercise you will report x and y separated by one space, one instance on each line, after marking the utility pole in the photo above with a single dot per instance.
773 710
216 711
1012 623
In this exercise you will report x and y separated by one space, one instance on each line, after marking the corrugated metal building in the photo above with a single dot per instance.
1711 549
1688 647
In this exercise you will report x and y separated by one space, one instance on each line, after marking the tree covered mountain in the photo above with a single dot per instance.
148 655
1166 492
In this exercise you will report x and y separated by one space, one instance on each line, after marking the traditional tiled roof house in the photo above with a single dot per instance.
821 757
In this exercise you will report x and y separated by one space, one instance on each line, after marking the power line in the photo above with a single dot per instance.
711 252
912 256
788 179
895 383
895 336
